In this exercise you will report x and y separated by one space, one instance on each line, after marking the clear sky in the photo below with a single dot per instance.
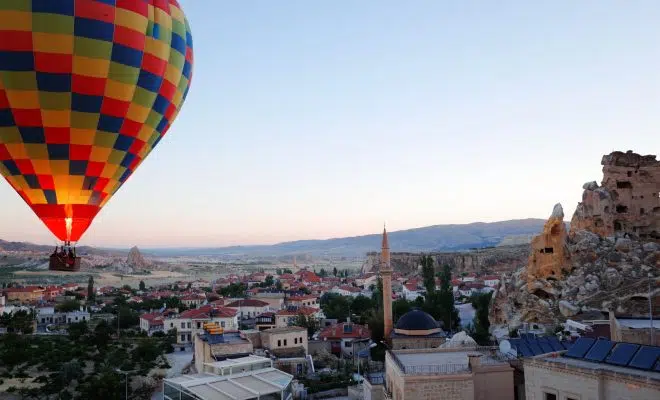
317 119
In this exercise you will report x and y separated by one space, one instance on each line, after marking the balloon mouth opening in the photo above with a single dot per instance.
69 224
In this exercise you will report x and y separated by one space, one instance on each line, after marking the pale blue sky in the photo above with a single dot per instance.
314 119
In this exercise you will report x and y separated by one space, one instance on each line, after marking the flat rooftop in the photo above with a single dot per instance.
239 361
594 366
285 329
433 362
244 386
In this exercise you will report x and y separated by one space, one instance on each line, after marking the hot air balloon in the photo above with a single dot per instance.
87 89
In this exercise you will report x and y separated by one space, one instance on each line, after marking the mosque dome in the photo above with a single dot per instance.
417 323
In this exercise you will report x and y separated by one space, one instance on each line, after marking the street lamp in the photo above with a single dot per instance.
125 373
371 346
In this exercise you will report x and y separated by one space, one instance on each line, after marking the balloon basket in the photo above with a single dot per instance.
58 263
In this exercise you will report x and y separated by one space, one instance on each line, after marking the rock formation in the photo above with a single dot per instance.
135 260
549 256
482 261
627 201
604 264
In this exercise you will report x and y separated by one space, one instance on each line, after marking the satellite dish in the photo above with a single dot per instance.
505 348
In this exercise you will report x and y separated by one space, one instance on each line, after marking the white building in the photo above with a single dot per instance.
411 291
249 308
346 290
191 322
491 280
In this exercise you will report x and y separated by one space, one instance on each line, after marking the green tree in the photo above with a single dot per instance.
287 271
448 313
428 274
310 323
77 330
323 273
142 286
278 285
335 306
334 271
361 305
278 271
481 304
400 307
376 322
233 290
91 294
269 281
68 306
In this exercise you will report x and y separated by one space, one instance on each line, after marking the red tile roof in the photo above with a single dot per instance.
247 303
297 311
339 332
205 312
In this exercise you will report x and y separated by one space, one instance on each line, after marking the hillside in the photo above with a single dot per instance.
434 238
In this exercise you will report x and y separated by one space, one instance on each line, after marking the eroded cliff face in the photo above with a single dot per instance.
607 260
499 259
627 200
549 255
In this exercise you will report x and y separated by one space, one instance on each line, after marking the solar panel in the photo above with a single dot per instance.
545 346
645 358
524 350
567 344
534 346
599 350
622 354
580 347
554 343
528 336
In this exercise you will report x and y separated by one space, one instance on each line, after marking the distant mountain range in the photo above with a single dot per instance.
455 237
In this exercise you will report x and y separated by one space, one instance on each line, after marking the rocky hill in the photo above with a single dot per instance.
490 260
606 262
436 238
135 260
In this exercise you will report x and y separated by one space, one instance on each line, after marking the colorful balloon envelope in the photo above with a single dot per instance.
87 89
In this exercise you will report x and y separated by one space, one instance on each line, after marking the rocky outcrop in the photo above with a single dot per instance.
499 259
608 262
135 260
549 256
627 201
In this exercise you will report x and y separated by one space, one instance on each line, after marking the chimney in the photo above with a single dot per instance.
474 360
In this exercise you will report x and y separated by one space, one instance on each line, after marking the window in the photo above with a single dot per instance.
348 344
279 343
188 325
199 325
189 337
285 342
171 324
183 338
222 324
183 325
295 340
301 340
549 396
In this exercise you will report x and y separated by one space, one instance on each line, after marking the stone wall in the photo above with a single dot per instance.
550 377
416 342
627 201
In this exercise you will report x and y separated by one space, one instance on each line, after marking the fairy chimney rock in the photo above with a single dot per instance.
627 202
549 256
135 259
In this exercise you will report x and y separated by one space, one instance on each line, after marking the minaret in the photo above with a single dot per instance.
386 276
